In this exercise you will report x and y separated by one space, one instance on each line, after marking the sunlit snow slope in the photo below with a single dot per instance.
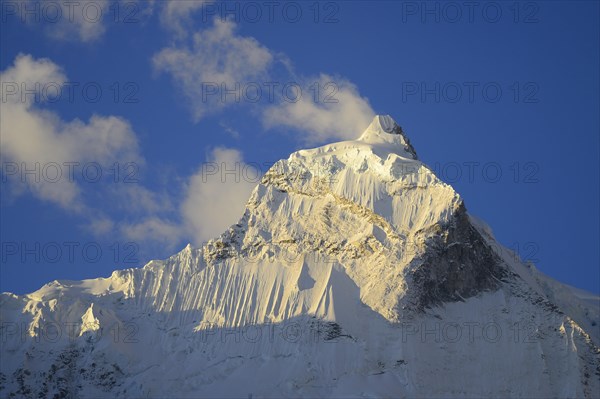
354 272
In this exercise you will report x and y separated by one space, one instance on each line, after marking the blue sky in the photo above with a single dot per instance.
500 98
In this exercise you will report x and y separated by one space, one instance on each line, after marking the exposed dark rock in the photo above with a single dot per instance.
457 264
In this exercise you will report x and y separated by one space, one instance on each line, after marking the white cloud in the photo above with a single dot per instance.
339 112
64 20
177 15
217 58
217 194
153 229
101 226
86 22
33 138
81 20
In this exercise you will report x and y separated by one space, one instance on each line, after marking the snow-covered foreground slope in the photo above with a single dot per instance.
354 272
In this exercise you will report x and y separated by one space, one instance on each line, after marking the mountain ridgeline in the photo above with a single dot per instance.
353 272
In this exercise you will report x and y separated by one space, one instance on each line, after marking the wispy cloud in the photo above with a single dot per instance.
234 133
176 16
153 230
217 56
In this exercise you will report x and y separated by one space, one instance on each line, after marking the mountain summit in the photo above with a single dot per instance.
384 130
354 271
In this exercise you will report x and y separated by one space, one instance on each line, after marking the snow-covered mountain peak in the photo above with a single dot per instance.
386 123
384 130
354 271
